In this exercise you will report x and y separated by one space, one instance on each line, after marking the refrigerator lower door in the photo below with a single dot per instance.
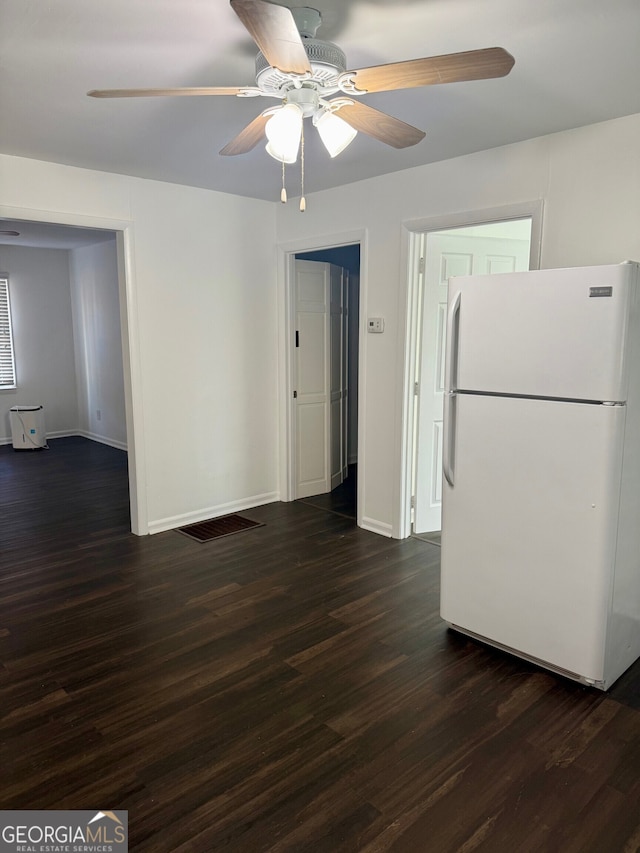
529 527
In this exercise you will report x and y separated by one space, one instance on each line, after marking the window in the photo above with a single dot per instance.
7 362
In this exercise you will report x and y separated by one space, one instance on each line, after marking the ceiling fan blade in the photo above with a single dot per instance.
247 138
449 68
275 32
383 127
154 93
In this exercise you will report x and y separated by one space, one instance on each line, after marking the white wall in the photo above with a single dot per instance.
589 180
206 284
43 337
202 310
95 304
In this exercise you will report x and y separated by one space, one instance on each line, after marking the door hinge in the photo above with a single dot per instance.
421 266
297 338
295 394
416 388
413 501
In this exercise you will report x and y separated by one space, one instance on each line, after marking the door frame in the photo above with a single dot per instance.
412 233
286 328
123 231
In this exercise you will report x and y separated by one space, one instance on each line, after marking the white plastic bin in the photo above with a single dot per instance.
27 427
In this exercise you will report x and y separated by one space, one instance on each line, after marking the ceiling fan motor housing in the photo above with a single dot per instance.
327 62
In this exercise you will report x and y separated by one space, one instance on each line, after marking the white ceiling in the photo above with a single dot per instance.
577 62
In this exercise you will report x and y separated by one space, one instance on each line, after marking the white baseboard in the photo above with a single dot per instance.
379 527
212 512
9 439
101 439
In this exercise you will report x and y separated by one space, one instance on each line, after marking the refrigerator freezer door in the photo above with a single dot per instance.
529 528
545 333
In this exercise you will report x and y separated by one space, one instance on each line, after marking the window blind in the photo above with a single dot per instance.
7 362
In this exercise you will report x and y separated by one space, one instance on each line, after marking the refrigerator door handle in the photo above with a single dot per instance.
450 379
451 354
449 436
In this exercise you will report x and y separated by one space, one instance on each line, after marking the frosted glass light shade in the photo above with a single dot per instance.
335 133
283 130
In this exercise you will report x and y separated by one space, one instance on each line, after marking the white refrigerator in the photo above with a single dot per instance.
541 457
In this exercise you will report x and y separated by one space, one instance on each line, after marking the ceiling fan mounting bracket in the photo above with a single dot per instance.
334 105
249 92
347 84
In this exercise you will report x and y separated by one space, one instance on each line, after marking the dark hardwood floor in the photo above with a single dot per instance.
289 688
342 500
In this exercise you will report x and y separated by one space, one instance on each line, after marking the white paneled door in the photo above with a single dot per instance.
447 254
320 395
338 341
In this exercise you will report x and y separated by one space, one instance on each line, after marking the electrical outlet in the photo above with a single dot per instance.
98 414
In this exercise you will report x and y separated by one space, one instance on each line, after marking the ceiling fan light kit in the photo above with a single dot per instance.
335 133
283 131
304 72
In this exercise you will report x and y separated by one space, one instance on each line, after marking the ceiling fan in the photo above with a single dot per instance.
304 72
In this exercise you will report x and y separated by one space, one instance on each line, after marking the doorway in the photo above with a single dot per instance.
325 372
486 245
47 229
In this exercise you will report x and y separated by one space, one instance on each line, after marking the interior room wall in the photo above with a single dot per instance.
203 305
95 304
206 309
589 182
43 338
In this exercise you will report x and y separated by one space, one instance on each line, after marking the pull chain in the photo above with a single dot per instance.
283 193
303 201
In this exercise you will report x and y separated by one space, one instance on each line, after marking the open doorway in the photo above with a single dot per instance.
89 325
486 244
325 307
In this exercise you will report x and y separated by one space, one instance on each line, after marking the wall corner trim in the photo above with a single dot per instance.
379 527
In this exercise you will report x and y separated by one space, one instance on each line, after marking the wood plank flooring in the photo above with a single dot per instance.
342 499
289 688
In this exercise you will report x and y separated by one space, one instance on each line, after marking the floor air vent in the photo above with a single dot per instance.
215 528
